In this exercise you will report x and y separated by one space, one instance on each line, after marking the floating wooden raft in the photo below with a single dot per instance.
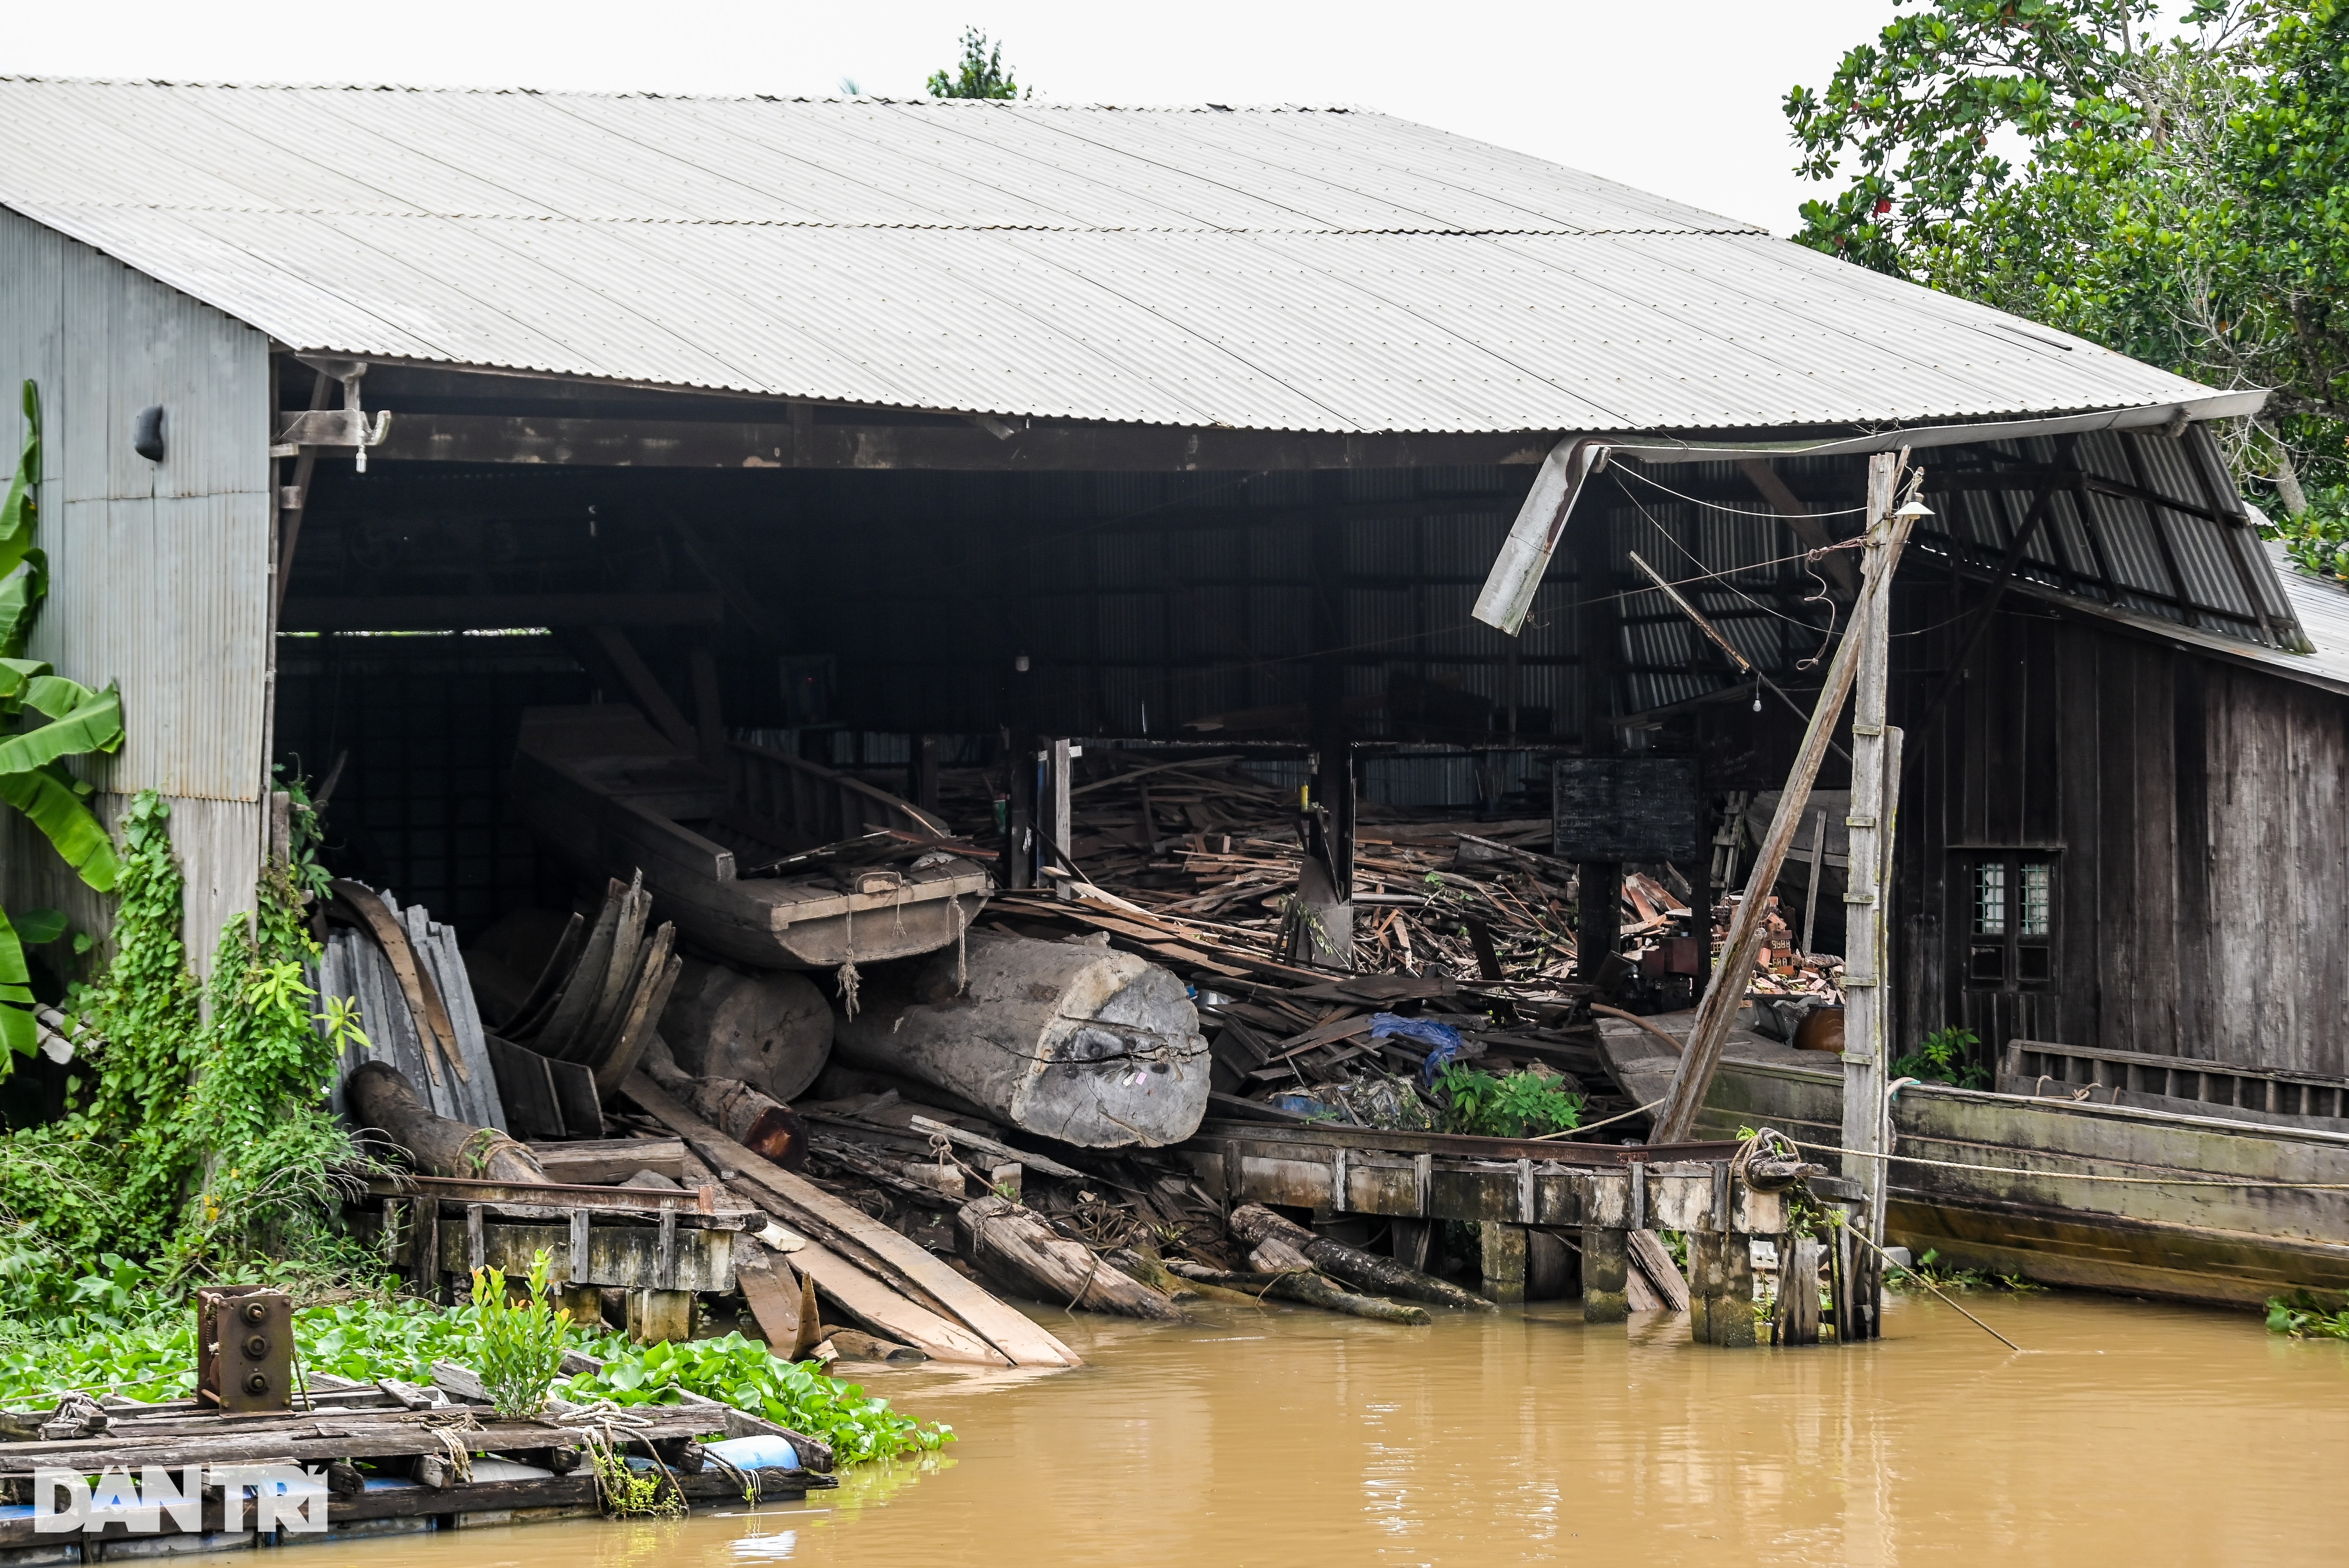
725 849
405 1438
585 1026
403 971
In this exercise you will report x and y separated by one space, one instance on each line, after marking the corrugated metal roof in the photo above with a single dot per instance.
2323 611
1314 270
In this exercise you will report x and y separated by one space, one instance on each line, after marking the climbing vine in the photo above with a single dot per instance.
192 1146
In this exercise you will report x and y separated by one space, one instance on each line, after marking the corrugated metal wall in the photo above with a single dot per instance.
158 571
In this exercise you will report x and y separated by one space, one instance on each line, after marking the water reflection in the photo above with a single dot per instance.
2129 1434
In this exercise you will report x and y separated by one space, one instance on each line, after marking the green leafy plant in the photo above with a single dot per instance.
1928 1272
519 1346
2302 1316
1945 1056
740 1372
1525 1104
45 719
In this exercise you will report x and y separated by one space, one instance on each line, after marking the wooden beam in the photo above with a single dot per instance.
648 692
956 444
497 611
1806 527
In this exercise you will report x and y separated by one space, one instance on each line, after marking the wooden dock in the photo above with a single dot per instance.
1590 1196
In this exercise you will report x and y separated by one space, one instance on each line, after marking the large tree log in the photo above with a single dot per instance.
772 1031
1094 1048
1303 1286
757 1121
379 1097
1255 1223
1019 1248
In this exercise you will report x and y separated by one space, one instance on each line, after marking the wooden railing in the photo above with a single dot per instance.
798 805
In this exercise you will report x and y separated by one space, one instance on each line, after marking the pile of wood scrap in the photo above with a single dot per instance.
402 971
879 1277
570 1042
1201 847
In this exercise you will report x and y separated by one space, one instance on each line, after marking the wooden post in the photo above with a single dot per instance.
922 771
1056 773
1407 1240
1019 819
1811 893
1796 1320
1606 1274
1888 534
659 1316
1866 1039
1868 1018
1598 914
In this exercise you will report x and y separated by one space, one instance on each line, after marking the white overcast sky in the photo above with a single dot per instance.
1680 96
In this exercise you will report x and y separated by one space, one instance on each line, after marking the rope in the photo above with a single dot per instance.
847 975
1593 1127
1928 1285
2243 1181
493 1143
962 961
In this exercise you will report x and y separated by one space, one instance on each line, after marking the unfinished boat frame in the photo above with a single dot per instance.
608 791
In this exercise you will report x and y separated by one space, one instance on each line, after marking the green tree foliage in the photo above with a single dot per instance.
980 75
2179 194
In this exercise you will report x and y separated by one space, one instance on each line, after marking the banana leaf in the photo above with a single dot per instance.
17 1032
71 828
36 927
16 512
20 601
82 721
17 676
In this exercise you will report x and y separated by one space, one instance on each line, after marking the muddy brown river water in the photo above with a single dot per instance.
2128 1434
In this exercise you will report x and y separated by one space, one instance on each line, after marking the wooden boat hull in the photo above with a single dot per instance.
2033 1214
614 798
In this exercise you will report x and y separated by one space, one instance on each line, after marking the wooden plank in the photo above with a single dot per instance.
611 1159
1023 1342
649 693
883 1311
773 1294
497 611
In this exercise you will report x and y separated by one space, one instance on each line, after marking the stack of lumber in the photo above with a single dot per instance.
402 970
570 1043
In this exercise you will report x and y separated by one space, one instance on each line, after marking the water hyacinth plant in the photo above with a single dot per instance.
519 1345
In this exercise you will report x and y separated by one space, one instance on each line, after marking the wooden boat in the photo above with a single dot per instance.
2032 1212
760 859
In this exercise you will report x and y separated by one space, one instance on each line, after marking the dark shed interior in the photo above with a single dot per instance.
2151 823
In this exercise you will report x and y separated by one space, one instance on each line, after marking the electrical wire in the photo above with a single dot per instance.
1734 510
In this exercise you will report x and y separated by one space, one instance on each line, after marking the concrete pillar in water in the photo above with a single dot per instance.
1606 1274
656 1316
585 1302
1504 1252
1721 1287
